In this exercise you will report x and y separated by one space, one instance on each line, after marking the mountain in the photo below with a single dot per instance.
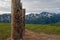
38 18
42 18
5 18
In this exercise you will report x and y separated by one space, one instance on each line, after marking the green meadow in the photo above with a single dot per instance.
5 29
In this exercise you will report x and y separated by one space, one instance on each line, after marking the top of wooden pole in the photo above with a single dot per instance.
16 3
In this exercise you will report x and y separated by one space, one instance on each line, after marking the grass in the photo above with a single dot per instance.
48 29
5 29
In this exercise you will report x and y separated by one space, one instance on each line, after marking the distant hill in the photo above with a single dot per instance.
42 18
38 18
5 18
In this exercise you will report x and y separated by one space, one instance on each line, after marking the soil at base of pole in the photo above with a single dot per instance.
29 35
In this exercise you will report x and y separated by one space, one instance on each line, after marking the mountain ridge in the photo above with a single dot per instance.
38 18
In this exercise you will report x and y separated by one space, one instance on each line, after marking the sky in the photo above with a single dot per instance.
32 6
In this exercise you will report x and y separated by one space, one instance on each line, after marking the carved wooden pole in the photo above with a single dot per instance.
18 20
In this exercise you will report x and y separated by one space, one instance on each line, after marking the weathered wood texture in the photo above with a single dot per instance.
18 20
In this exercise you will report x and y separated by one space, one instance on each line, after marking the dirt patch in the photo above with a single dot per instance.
29 35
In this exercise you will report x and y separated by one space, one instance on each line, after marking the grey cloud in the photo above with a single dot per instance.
41 4
5 7
33 5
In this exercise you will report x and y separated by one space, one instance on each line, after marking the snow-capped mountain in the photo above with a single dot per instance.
43 17
38 18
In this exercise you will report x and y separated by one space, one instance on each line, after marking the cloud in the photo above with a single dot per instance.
36 5
31 5
5 6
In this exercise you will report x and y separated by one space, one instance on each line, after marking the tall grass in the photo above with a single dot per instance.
49 29
5 29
